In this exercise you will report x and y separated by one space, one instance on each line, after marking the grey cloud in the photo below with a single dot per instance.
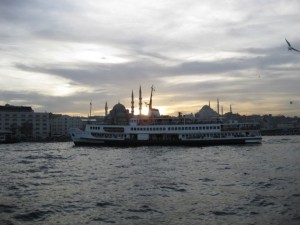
148 44
76 103
139 71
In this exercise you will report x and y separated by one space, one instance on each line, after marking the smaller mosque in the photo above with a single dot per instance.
206 113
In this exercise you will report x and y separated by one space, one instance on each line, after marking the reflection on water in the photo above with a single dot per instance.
56 183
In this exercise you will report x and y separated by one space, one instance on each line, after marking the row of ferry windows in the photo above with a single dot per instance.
174 128
169 128
95 128
216 135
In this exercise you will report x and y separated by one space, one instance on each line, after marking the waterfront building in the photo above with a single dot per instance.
61 124
24 123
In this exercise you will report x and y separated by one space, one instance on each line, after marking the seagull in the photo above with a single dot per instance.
290 46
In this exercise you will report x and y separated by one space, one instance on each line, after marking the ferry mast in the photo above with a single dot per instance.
150 104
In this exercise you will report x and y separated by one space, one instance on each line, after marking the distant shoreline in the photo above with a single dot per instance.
277 132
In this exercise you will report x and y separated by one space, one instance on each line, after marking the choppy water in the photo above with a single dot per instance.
56 183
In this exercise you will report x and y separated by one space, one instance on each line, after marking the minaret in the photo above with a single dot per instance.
209 103
106 108
222 110
90 108
230 109
140 100
132 103
218 106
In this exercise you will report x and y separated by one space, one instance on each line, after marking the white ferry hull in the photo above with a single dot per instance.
191 135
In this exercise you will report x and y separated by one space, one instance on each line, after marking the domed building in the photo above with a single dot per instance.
119 115
206 113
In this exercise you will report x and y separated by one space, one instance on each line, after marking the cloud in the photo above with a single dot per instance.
68 52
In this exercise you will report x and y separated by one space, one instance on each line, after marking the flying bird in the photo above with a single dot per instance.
290 46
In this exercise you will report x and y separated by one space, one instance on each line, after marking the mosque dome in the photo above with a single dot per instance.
119 115
206 113
119 108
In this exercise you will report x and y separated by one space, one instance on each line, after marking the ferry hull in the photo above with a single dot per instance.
168 135
130 143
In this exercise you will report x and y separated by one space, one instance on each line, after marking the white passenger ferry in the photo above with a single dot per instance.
122 128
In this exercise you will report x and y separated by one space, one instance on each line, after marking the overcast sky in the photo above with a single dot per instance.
58 55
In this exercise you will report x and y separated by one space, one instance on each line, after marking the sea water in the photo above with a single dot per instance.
58 183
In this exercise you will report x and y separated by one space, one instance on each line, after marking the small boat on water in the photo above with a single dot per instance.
121 128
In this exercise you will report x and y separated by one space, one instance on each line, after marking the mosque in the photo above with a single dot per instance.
119 115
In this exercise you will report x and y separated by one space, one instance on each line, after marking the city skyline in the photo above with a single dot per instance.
58 56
